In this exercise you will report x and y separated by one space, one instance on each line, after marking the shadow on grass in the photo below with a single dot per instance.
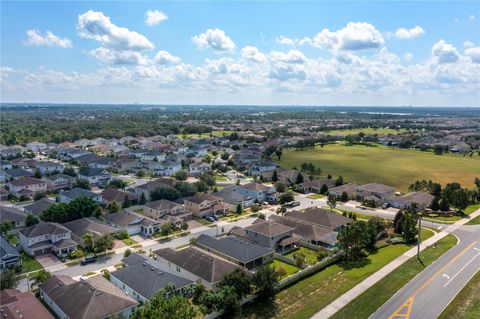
261 309
358 262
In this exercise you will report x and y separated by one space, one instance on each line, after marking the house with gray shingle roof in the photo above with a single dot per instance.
9 256
46 237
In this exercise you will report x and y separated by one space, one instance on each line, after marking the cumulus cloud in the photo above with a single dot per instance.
215 39
95 25
412 33
445 52
35 38
286 71
408 56
285 40
355 36
468 44
113 57
164 57
253 54
474 54
154 17
292 56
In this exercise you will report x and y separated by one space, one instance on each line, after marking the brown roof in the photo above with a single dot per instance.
26 181
207 267
158 182
319 182
320 217
162 204
376 187
94 298
198 199
255 187
17 304
269 228
111 194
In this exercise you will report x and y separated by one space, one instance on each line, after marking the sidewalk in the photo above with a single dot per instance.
356 291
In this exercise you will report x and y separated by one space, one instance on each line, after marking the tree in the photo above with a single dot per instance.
435 205
88 240
460 199
140 173
186 189
127 202
332 201
299 179
239 209
37 174
286 197
113 207
279 153
70 171
127 253
344 197
166 305
239 280
323 189
225 156
117 184
6 226
103 243
274 176
264 281
409 227
181 175
208 178
82 183
352 238
31 220
184 225
78 208
397 222
142 199
164 192
280 187
40 277
299 259
8 279
339 181
167 229
281 210
444 204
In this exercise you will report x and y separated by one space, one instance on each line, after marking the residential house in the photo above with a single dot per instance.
71 153
59 181
125 164
24 162
140 270
148 187
47 168
17 173
133 223
9 256
14 215
168 168
321 218
196 265
260 167
36 147
316 185
350 189
153 156
269 234
68 196
95 176
237 251
198 168
204 205
417 200
231 199
47 237
82 226
287 177
5 165
17 304
160 208
92 298
26 187
37 207
374 194
260 192
110 195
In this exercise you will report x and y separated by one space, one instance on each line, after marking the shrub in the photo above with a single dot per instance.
127 253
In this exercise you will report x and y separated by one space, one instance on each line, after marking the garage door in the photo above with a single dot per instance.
42 251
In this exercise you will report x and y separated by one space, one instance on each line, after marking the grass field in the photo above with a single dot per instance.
29 264
475 221
129 241
308 296
289 269
214 133
369 301
395 167
310 255
451 219
315 196
367 130
466 304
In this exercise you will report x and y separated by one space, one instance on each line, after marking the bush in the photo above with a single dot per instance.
76 254
127 253
121 234
280 271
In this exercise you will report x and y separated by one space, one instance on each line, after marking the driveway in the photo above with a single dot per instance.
48 260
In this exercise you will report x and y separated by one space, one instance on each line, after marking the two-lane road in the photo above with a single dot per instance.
431 291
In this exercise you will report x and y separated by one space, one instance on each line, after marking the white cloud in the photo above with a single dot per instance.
113 57
292 56
474 54
471 17
445 52
154 17
253 54
468 44
285 40
164 57
215 39
95 25
408 56
412 33
355 36
35 38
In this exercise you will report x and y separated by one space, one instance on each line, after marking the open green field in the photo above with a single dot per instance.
311 294
466 304
214 133
367 130
395 167
369 301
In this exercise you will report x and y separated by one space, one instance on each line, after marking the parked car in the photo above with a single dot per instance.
209 218
295 204
88 260
214 217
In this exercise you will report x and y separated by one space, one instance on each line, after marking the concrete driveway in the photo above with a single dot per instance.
48 260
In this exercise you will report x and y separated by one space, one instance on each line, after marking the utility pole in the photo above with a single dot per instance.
419 235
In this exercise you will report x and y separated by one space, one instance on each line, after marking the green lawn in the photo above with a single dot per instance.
29 264
367 130
129 241
220 178
471 208
315 196
475 221
396 167
289 269
466 304
309 254
359 215
204 135
451 219
308 296
369 301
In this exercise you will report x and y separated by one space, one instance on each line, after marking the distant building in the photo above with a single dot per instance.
59 181
26 187
95 176
47 168
14 215
68 196
422 200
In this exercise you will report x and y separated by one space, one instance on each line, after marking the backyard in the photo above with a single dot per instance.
395 167
310 255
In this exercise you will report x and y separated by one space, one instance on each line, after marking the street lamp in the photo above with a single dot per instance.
419 234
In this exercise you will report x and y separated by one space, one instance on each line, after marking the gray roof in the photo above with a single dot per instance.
144 276
376 187
420 198
92 172
203 265
58 176
306 230
320 217
269 229
79 192
198 199
94 298
44 228
12 214
233 247
255 187
7 249
48 164
123 219
231 197
18 172
85 225
162 204
350 189
319 182
37 207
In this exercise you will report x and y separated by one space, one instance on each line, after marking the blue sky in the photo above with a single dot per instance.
321 53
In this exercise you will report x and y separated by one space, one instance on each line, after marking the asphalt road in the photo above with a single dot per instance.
431 291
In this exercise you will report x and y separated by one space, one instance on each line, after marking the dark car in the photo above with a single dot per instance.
88 260
295 204
214 217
